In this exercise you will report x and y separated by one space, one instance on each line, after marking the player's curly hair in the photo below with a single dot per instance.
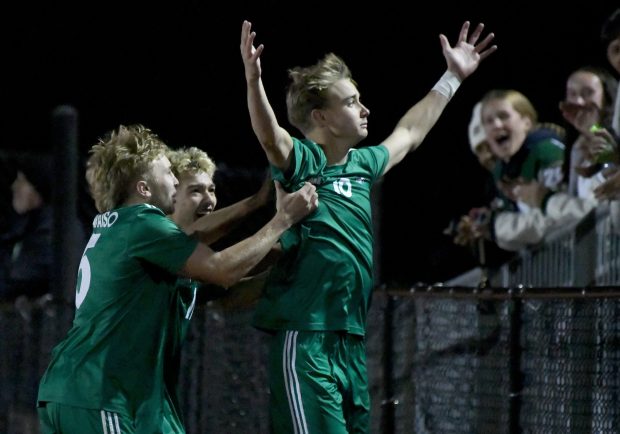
191 160
118 160
308 87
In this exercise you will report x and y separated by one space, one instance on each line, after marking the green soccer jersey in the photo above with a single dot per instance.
114 355
183 308
324 280
540 159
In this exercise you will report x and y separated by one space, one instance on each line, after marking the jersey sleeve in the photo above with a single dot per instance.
373 159
550 152
158 240
308 161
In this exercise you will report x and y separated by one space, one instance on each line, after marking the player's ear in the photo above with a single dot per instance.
142 188
318 117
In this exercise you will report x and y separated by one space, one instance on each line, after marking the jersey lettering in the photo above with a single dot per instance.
105 220
552 177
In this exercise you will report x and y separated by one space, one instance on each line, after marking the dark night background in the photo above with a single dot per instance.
175 67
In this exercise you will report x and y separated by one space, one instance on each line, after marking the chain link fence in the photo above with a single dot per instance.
440 360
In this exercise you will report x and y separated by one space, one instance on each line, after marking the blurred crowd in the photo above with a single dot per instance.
543 176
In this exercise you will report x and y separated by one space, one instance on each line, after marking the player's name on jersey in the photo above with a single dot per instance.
105 220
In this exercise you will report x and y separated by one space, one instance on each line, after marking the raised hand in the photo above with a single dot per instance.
466 55
249 53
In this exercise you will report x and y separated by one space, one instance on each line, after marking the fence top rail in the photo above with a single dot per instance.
502 293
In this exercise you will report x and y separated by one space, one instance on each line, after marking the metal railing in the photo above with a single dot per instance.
585 253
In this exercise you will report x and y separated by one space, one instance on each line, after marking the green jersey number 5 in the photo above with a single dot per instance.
83 283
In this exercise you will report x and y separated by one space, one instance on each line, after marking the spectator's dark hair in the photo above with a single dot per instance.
611 28
39 171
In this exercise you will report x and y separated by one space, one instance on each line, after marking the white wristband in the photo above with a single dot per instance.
447 84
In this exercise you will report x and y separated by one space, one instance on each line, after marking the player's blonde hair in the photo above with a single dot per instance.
118 160
190 161
308 87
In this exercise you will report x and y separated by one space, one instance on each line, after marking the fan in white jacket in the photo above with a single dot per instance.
515 230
